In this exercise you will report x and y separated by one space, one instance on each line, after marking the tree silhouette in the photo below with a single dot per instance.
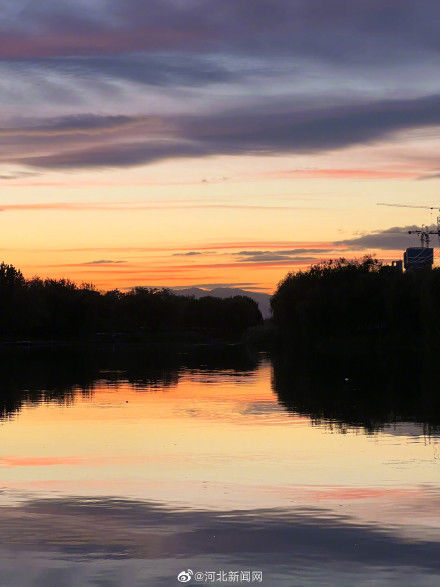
60 309
347 299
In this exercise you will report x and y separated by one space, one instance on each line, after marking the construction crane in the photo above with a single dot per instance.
424 232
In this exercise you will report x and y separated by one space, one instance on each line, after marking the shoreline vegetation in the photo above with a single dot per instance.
351 342
337 307
353 306
47 311
358 343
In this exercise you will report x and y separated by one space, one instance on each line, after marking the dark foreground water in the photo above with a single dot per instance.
132 468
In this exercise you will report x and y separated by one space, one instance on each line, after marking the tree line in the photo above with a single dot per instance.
358 300
60 309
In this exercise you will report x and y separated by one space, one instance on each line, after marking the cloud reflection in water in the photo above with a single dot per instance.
105 541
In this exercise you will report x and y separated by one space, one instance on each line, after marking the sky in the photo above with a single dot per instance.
214 142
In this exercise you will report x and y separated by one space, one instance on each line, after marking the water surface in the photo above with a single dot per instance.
126 470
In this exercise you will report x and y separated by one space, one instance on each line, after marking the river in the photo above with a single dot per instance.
132 471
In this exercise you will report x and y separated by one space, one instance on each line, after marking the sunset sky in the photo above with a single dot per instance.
214 142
